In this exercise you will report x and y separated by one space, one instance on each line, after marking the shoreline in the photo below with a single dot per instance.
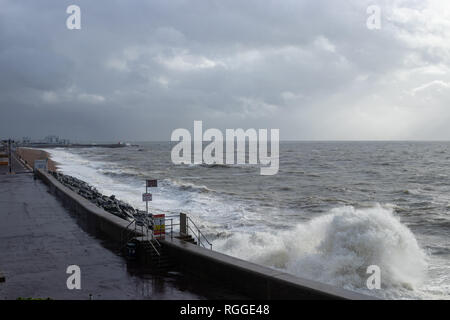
109 203
191 257
87 234
240 277
29 155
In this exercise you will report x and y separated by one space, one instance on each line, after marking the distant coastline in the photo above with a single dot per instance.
73 145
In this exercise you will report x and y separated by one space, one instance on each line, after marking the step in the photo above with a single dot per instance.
185 237
158 262
188 240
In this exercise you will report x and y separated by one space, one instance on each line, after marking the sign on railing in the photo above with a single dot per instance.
159 227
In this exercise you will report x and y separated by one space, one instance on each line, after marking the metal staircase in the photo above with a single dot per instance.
150 250
155 255
187 238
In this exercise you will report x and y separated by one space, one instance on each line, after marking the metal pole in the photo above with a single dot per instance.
146 202
9 156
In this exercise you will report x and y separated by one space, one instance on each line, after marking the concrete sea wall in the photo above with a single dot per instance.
94 218
256 281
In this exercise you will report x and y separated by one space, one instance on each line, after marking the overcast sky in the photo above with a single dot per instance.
139 69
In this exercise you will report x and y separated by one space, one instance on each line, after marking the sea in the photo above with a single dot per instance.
332 210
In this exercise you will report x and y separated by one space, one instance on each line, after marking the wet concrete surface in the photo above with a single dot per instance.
39 239
16 167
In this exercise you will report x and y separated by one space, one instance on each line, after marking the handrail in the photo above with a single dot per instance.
123 231
156 240
145 224
200 243
130 223
199 234
157 252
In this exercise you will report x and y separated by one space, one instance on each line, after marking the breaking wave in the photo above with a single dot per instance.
216 165
338 247
185 186
335 248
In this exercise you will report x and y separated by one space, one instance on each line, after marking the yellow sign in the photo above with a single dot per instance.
159 228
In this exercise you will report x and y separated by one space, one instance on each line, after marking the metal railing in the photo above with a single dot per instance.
170 224
146 232
154 248
197 233
191 227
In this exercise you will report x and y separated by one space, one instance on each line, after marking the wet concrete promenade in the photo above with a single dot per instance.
39 239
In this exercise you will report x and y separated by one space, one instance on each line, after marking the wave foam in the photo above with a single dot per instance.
338 247
335 248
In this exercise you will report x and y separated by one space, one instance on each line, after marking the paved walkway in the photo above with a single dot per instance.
16 167
39 239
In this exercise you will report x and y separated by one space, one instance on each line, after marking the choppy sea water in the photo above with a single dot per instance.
333 209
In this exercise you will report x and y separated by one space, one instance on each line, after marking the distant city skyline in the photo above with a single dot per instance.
138 70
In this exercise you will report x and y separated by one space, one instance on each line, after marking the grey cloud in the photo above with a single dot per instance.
138 69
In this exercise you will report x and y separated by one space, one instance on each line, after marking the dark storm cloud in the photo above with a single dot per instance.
139 69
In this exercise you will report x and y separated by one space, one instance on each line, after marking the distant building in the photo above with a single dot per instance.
51 139
26 140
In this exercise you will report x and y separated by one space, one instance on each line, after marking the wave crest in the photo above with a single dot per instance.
186 186
338 247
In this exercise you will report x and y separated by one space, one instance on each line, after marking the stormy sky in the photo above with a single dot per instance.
139 69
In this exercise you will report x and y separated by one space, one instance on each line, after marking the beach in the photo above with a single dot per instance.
30 155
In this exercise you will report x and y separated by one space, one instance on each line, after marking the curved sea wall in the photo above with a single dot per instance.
92 217
256 281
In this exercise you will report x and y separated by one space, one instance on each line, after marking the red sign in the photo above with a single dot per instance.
152 183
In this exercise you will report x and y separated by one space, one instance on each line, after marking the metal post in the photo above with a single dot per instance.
146 202
9 156
183 224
